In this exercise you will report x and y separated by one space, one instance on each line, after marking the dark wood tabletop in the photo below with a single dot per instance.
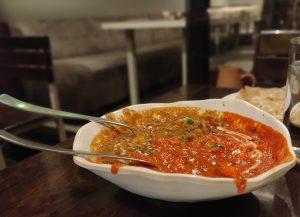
13 119
49 184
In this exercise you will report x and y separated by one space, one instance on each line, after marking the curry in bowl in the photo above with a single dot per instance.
193 140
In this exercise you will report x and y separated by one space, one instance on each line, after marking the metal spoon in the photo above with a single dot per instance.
297 151
41 147
18 104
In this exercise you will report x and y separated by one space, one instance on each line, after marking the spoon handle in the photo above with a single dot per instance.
41 147
297 151
18 104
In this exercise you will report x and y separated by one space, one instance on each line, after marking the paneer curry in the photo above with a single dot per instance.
192 140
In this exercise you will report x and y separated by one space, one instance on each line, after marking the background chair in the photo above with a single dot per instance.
28 59
271 56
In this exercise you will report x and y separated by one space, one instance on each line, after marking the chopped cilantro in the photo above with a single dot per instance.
189 121
147 143
118 151
169 132
145 148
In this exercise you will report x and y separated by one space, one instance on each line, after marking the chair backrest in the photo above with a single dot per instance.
4 29
29 58
26 58
271 56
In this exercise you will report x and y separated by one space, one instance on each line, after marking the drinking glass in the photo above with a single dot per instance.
292 103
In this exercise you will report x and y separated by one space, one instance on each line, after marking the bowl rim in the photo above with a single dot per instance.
156 175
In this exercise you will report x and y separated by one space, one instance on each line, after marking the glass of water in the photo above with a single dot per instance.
292 105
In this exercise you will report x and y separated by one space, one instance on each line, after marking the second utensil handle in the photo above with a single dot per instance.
18 104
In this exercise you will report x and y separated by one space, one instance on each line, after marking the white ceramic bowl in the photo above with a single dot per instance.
182 187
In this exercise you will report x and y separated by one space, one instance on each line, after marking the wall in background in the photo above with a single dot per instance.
234 2
83 8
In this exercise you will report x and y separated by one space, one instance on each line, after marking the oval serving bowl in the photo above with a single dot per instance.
182 187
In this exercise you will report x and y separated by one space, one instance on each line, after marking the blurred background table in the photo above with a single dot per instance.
49 184
219 17
129 26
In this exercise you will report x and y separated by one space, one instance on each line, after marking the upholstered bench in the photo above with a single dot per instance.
90 63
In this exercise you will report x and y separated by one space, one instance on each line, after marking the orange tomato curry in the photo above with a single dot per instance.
195 141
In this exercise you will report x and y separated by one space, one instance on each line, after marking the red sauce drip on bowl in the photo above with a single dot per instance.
115 167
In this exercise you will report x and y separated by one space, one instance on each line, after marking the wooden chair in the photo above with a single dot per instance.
29 58
271 57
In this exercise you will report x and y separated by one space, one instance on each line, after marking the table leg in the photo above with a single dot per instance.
236 36
2 161
217 39
132 67
55 104
184 59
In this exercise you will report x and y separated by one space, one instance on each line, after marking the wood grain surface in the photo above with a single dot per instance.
49 184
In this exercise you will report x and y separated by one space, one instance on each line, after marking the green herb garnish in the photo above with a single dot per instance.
189 121
169 132
118 151
146 148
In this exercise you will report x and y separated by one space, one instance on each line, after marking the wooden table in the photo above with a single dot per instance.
52 185
129 26
17 120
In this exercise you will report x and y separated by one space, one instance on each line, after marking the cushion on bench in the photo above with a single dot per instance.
90 63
